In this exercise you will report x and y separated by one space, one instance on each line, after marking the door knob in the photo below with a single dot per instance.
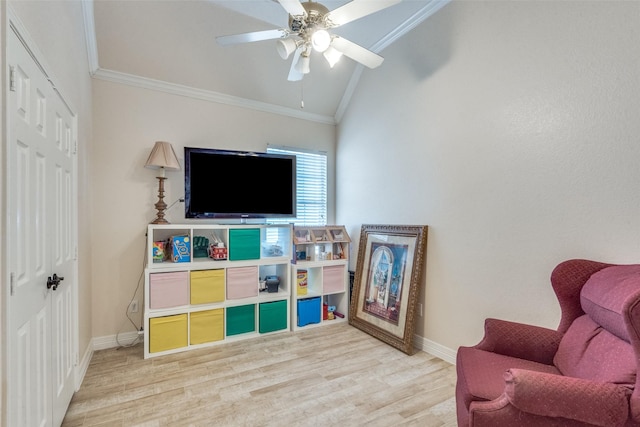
53 281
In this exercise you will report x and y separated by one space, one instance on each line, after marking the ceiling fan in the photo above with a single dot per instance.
309 23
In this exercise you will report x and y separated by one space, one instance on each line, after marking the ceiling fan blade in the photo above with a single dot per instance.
255 36
293 7
356 9
357 52
295 75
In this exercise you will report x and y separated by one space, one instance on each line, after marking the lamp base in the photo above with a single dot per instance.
160 204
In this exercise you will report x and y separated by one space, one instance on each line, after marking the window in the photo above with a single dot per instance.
311 186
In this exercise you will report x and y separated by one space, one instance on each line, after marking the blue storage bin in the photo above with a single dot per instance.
308 311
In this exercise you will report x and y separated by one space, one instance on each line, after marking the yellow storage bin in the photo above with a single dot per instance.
167 333
207 286
207 326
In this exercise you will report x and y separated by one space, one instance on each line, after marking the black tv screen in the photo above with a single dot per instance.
237 184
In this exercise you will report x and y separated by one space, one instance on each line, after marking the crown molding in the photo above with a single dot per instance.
207 95
90 36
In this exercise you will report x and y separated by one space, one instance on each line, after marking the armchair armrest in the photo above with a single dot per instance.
513 339
538 393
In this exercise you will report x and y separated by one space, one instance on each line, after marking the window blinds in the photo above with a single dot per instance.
311 186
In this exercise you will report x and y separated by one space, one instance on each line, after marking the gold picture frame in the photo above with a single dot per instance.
388 275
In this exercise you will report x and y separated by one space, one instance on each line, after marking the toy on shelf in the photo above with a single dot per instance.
180 249
158 251
302 236
301 281
272 282
217 252
331 312
200 247
217 249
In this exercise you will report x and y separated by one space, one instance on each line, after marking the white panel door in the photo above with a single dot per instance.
41 247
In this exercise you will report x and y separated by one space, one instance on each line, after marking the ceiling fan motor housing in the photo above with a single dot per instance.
315 19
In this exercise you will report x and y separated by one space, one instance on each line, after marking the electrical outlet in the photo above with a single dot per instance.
133 307
420 309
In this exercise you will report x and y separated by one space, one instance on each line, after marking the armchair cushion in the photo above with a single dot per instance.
588 351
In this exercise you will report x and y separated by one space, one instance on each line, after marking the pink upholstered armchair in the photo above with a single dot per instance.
582 374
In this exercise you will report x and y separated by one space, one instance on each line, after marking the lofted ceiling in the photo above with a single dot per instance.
170 45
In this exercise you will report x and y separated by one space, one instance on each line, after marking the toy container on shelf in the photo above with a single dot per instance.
301 282
180 248
217 252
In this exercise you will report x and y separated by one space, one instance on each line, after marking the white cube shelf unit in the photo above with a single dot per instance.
319 276
205 284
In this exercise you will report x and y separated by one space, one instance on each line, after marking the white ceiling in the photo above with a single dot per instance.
170 45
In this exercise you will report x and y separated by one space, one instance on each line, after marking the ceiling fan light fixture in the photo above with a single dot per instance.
309 23
320 40
286 47
332 55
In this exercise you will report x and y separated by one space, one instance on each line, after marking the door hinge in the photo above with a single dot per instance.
75 146
12 278
12 78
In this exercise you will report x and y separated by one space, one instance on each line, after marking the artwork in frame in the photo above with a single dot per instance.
387 282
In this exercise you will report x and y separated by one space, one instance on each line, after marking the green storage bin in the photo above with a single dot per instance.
244 244
241 319
273 316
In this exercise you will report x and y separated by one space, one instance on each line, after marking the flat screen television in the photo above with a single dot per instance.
238 184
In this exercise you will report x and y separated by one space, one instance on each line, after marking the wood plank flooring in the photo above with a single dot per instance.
334 375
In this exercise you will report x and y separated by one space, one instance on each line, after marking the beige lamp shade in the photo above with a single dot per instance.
162 157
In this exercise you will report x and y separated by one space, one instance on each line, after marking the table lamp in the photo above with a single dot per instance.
162 157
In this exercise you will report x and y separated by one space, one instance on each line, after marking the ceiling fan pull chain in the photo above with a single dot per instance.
302 93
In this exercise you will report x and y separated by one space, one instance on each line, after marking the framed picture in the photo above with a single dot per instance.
387 282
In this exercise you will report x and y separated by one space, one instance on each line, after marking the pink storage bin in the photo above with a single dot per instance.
168 289
242 282
333 279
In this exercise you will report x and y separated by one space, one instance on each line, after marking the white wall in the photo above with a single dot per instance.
128 121
511 129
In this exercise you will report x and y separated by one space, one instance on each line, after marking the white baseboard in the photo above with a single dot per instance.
82 367
111 341
126 338
435 349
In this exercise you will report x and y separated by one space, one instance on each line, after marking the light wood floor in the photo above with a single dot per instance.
328 376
